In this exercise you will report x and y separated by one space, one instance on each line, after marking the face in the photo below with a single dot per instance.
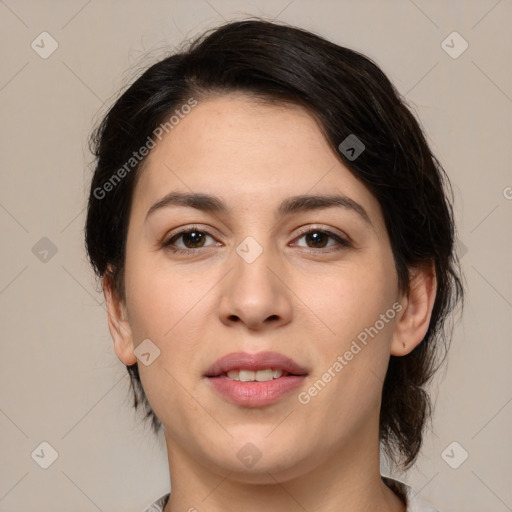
316 285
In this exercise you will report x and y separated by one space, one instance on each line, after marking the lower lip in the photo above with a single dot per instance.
255 394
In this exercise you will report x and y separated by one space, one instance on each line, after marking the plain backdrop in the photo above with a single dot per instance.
60 381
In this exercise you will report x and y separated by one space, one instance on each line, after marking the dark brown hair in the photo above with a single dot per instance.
348 94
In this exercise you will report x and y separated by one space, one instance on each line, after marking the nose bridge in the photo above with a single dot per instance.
253 293
253 261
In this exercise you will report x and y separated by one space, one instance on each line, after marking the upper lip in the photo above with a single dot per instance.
259 361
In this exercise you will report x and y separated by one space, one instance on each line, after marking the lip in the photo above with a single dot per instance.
259 361
255 394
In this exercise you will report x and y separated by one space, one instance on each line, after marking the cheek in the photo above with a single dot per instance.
160 299
351 300
172 307
165 306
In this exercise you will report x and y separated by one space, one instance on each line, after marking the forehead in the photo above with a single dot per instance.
238 132
251 154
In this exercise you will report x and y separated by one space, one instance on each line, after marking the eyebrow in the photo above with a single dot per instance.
294 204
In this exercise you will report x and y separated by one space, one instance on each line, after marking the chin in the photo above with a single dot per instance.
257 460
271 471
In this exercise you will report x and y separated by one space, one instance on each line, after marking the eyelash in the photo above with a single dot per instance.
341 241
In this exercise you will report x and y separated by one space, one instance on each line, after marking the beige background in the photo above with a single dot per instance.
60 381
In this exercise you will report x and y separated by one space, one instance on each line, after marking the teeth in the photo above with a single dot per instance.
246 375
259 376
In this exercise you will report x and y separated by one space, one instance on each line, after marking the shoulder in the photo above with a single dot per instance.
159 504
409 495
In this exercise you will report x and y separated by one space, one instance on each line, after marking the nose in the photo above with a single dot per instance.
255 293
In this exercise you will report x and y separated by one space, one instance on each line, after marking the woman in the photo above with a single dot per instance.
276 249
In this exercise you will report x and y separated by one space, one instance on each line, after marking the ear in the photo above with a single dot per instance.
413 323
118 324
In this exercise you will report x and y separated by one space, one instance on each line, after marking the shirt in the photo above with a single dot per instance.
413 501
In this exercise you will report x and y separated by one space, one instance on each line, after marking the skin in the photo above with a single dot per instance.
306 301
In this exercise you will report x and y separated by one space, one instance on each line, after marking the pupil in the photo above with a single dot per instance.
315 237
195 237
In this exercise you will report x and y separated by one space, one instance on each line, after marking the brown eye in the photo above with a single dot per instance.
191 240
319 239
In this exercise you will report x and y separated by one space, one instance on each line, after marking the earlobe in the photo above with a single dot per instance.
412 325
118 324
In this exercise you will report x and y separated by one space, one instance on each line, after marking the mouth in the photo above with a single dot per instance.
241 364
255 380
264 375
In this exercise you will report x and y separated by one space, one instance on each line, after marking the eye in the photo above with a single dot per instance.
193 238
318 238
